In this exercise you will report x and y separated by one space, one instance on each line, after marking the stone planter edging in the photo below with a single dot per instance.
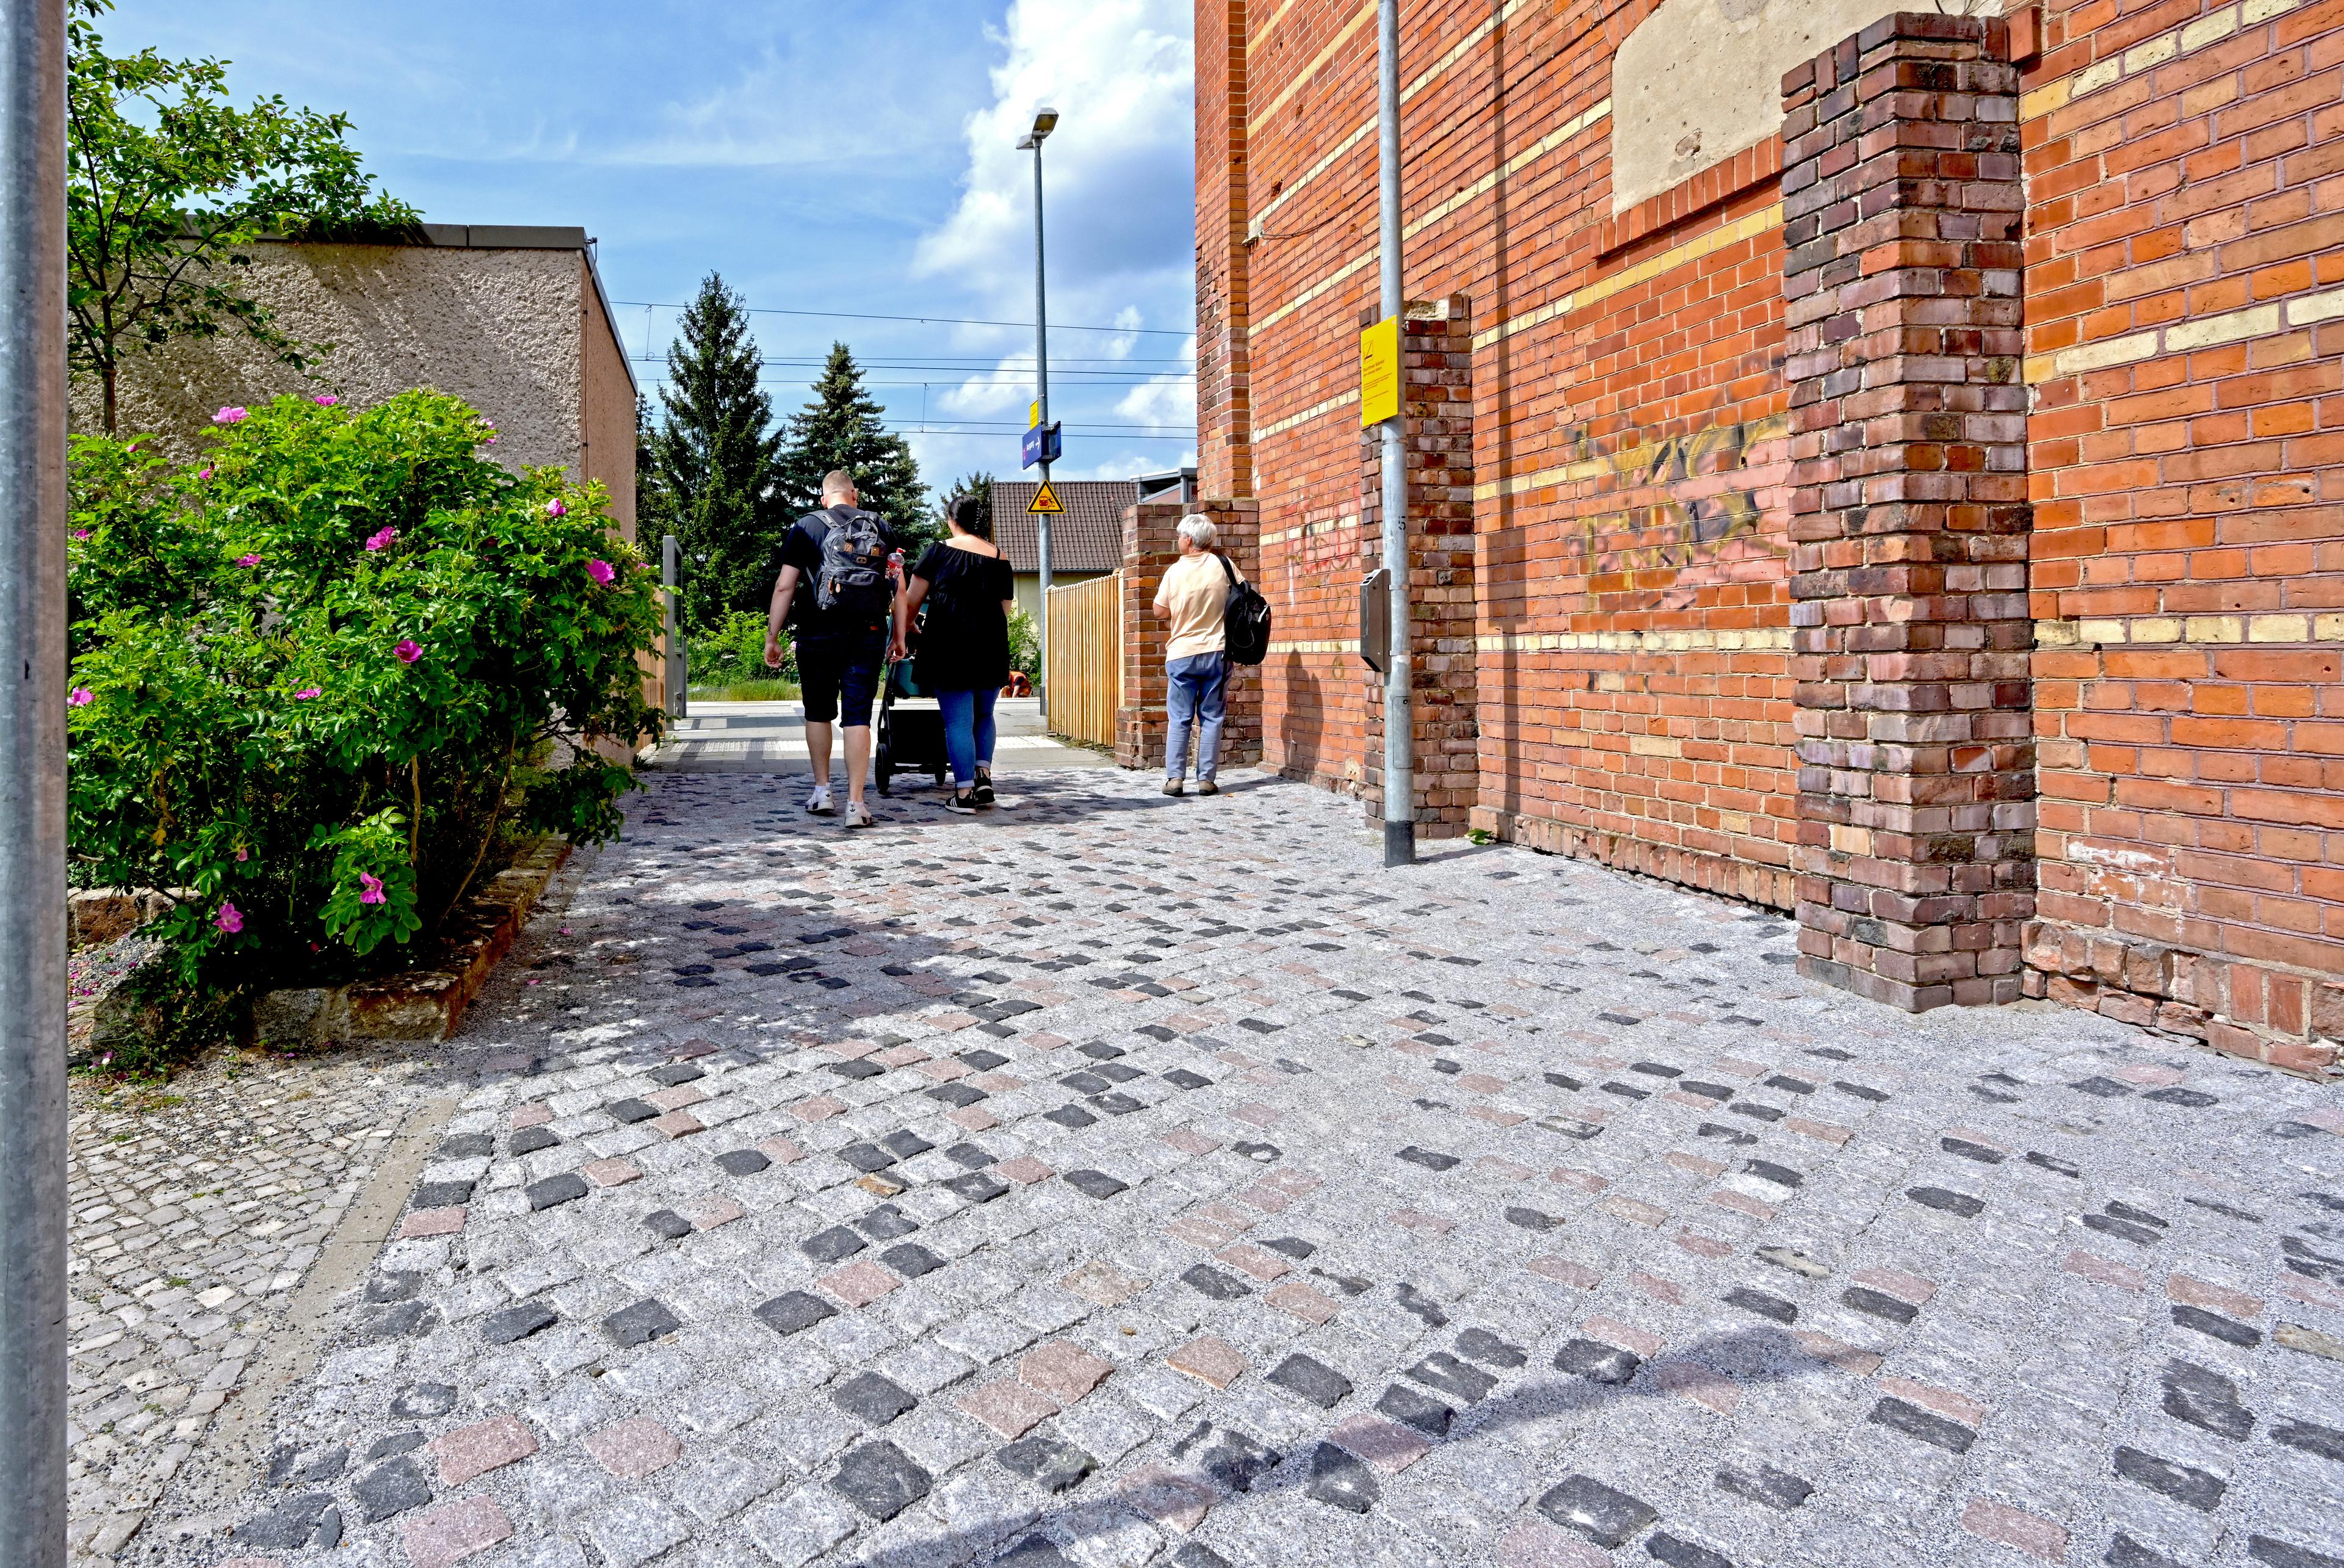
423 1004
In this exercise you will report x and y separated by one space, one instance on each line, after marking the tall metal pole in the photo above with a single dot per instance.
33 513
1399 734
1042 384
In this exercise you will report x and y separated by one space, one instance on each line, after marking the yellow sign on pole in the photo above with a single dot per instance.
1379 372
1033 414
1045 499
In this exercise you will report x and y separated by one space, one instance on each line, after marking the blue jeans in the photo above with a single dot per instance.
1197 694
968 732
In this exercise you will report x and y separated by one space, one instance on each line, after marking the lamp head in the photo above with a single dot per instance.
1045 122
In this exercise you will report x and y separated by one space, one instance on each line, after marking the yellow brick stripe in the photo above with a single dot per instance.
1668 261
1336 645
2188 335
1743 640
1365 14
1281 426
2166 630
2199 33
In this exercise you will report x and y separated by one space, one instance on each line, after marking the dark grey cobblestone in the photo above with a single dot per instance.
1116 1181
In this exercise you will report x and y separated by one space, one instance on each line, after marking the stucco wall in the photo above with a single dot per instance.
499 328
606 429
1699 80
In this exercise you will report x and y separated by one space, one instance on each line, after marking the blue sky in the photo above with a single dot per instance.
855 155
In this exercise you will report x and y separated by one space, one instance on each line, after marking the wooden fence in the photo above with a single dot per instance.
1085 666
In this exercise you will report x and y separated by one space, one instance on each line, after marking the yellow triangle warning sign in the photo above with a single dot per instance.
1046 500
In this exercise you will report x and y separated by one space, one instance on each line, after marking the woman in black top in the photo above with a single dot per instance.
964 659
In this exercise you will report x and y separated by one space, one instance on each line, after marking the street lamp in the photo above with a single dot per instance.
1045 122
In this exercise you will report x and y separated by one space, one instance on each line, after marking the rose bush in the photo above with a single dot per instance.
320 677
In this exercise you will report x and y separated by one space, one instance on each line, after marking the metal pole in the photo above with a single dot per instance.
33 513
1042 382
1400 736
679 671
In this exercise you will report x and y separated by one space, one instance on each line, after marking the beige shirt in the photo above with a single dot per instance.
1196 591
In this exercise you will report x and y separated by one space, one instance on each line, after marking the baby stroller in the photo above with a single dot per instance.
911 738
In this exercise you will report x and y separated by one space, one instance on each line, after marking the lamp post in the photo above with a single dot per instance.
1045 122
33 511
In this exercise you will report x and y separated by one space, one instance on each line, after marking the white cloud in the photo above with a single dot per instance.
1118 169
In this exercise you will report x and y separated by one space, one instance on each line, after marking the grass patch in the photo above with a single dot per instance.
748 691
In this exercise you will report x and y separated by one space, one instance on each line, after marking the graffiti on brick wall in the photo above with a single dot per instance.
1694 507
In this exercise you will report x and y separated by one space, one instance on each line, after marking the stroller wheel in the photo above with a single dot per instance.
883 768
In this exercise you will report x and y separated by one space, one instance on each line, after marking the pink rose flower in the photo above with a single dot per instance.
81 534
231 417
370 887
307 692
206 474
229 919
82 697
242 855
409 651
248 561
382 540
326 400
488 441
600 571
555 509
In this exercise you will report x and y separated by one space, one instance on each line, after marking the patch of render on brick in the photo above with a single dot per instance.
1700 80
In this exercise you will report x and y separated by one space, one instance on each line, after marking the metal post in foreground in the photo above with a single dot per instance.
679 671
33 511
1399 732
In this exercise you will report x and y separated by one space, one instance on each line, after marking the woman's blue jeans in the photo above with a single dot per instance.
1195 697
968 732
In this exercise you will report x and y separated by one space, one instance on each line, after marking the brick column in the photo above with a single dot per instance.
1436 404
1224 398
1901 208
1151 544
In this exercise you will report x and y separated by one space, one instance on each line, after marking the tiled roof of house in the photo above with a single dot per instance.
1087 537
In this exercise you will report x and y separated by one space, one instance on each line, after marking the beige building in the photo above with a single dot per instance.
514 321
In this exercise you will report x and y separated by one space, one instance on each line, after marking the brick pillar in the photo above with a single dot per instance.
1436 404
1224 400
1151 542
1902 209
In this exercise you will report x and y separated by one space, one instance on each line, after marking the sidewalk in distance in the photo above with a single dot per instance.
1033 1188
770 738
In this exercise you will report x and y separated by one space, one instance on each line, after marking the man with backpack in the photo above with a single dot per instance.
1217 620
837 590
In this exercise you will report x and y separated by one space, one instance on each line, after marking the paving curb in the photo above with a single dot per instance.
424 1003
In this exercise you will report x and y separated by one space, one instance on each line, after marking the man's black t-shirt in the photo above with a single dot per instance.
803 550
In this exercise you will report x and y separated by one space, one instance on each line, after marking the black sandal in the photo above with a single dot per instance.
981 791
963 804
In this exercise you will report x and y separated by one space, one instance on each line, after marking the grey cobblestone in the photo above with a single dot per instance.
1582 1231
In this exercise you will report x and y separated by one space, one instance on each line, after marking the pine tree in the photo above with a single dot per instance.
979 485
716 461
842 429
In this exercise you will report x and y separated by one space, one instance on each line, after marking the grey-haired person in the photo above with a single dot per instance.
1194 598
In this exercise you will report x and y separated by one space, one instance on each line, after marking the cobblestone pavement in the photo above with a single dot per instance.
196 1209
1116 1179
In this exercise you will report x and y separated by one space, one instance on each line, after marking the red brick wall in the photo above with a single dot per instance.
2184 258
2184 163
1225 459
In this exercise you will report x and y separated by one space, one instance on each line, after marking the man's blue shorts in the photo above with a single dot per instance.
839 671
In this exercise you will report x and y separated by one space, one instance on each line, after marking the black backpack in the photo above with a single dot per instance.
1246 621
854 578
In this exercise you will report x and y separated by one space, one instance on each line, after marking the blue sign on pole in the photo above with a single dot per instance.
1043 445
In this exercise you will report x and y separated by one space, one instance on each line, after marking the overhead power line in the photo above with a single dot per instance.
934 320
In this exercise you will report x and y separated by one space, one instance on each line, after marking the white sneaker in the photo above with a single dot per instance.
857 815
819 802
